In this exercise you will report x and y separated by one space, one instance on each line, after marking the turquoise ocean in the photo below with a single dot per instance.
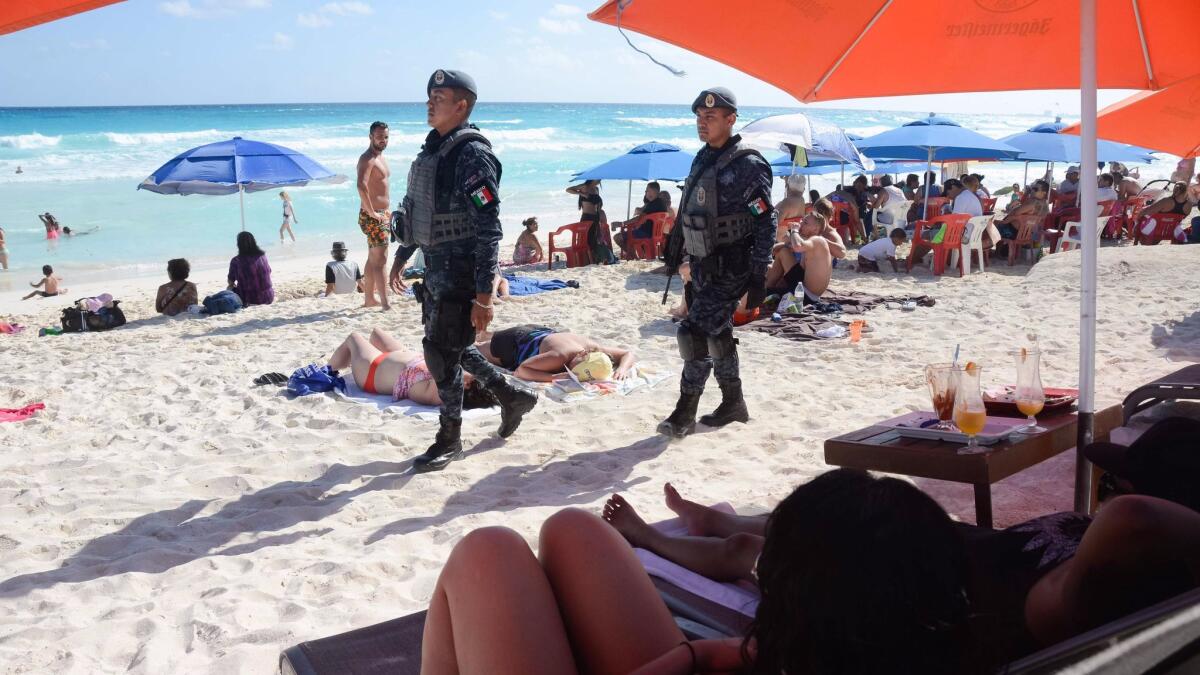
84 165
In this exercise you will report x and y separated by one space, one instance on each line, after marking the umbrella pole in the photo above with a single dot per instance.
629 201
928 170
242 203
1025 181
1087 221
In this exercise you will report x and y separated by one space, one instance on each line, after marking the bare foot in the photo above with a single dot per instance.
693 515
385 307
369 304
625 520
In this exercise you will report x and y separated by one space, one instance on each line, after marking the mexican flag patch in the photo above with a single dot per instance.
758 207
483 196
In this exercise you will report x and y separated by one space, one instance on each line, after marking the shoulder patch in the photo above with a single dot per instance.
758 207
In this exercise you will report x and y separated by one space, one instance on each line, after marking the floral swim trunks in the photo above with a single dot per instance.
377 234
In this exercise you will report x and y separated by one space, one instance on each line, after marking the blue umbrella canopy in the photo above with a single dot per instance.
935 139
782 166
818 139
1045 143
648 161
236 165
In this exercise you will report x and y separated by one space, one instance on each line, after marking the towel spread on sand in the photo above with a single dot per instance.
565 388
427 413
740 597
20 414
804 327
532 285
10 327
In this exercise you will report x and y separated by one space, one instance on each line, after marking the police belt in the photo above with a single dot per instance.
725 259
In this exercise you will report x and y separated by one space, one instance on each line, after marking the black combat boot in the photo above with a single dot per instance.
732 408
515 401
683 420
447 447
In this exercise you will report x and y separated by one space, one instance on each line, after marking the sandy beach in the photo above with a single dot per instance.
164 515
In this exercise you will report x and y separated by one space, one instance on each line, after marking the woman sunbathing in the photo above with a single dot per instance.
539 353
858 575
381 365
1034 584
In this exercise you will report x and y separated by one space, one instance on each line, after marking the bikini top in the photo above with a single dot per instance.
590 199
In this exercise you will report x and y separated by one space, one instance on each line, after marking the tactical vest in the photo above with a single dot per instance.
703 230
423 224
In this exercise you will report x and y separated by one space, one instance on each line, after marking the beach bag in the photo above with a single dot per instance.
76 320
313 379
222 302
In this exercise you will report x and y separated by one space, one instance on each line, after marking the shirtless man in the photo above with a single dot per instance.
374 217
791 206
539 353
814 267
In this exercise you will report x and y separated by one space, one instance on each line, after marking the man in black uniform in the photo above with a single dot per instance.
727 234
451 211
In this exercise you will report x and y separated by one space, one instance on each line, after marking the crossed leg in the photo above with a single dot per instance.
584 604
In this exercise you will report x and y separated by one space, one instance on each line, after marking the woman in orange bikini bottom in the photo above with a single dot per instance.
381 365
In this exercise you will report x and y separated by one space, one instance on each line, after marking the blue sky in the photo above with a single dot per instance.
145 52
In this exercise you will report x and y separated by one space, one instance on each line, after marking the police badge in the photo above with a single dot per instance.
439 77
700 196
708 103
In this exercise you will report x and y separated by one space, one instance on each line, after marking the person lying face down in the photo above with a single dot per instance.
540 353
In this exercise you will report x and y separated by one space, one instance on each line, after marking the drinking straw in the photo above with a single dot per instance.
956 354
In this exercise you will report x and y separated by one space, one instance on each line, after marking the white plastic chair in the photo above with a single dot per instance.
973 241
898 212
1077 239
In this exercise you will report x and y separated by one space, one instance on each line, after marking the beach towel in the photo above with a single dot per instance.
10 328
567 387
740 597
20 414
427 413
518 285
313 379
821 324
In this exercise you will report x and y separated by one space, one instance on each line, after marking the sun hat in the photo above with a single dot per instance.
340 246
594 366
1163 462
1073 169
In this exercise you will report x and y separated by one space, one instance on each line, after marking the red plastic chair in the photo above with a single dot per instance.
933 206
1133 214
1027 231
956 225
651 248
920 242
1164 229
989 205
845 231
576 253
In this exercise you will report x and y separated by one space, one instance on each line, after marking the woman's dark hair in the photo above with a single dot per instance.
813 196
178 269
1041 185
861 575
475 395
247 246
529 220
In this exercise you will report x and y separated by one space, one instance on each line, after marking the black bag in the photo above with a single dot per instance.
76 320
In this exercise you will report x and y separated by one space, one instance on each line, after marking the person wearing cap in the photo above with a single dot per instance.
727 233
1070 184
452 213
341 276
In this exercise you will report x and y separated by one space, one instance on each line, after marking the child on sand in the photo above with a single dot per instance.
50 281
528 248
872 256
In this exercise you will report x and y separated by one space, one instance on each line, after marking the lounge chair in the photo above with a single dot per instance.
1183 384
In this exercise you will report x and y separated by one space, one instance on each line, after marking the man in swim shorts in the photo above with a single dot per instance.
804 258
374 214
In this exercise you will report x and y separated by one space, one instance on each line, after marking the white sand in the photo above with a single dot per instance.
163 515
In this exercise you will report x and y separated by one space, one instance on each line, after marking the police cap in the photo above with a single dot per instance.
455 79
715 97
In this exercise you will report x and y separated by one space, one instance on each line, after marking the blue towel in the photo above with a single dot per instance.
532 285
312 379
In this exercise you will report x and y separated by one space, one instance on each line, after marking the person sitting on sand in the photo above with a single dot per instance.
812 268
341 276
872 256
846 561
528 248
250 273
792 205
380 364
175 296
539 353
50 281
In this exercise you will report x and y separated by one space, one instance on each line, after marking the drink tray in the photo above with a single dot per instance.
918 425
1000 401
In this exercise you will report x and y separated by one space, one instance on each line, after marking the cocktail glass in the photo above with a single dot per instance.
969 413
942 382
1029 395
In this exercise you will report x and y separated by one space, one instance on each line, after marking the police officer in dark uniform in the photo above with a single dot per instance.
725 230
451 211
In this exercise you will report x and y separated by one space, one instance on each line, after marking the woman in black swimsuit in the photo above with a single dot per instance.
591 211
1178 203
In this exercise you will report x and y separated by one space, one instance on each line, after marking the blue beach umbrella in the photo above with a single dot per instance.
236 165
648 161
783 166
935 139
1045 143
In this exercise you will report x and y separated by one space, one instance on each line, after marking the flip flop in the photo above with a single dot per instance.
277 379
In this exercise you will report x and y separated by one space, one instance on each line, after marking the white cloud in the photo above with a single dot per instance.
208 9
559 26
565 10
313 20
347 8
98 43
280 42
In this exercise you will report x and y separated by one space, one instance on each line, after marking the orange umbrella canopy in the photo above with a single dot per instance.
832 49
17 15
1166 120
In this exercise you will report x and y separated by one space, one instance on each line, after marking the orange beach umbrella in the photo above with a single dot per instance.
1166 120
18 15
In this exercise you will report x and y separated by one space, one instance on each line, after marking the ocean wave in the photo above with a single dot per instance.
513 121
659 121
536 134
165 137
29 141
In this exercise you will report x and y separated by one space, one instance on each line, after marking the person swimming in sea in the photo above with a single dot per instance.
539 353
